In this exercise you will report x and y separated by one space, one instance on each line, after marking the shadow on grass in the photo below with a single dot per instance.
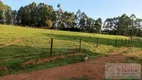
14 52
93 40
14 66
22 52
12 57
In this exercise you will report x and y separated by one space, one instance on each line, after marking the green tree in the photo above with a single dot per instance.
68 19
49 23
83 21
35 15
2 16
1 12
5 13
2 6
109 26
14 17
132 26
138 24
98 25
91 25
59 5
8 16
124 22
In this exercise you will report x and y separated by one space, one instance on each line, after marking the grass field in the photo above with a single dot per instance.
21 44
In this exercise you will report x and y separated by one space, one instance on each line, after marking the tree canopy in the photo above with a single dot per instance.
43 15
123 25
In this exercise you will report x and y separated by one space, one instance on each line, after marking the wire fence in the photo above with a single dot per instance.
35 50
33 47
65 46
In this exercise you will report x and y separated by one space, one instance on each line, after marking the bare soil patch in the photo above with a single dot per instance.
8 44
43 60
3 69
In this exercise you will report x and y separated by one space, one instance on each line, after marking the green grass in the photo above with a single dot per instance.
85 77
35 44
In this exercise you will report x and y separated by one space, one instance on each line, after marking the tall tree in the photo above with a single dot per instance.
123 25
14 17
132 25
83 21
138 27
5 13
77 19
111 25
98 25
68 19
91 25
8 16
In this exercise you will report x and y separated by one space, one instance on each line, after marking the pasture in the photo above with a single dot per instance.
19 45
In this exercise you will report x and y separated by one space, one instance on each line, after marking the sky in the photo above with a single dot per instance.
93 8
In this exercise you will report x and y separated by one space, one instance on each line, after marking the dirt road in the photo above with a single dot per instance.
94 68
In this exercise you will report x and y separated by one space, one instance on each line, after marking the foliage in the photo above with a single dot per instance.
5 14
35 44
49 23
123 25
43 15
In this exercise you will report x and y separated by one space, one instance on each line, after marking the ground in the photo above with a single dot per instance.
93 68
25 50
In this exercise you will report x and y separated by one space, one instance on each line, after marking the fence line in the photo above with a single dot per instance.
117 42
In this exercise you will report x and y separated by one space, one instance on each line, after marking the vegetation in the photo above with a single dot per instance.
124 25
19 45
23 44
43 15
85 77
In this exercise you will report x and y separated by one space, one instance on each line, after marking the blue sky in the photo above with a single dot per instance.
93 8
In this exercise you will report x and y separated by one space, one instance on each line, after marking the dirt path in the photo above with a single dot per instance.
94 68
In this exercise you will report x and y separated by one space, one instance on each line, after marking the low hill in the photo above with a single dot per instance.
22 45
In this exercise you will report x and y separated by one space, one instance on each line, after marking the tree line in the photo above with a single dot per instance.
123 25
43 15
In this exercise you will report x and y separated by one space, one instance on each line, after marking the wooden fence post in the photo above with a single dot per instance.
51 48
80 45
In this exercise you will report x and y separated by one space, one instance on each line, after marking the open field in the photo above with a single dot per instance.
19 45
